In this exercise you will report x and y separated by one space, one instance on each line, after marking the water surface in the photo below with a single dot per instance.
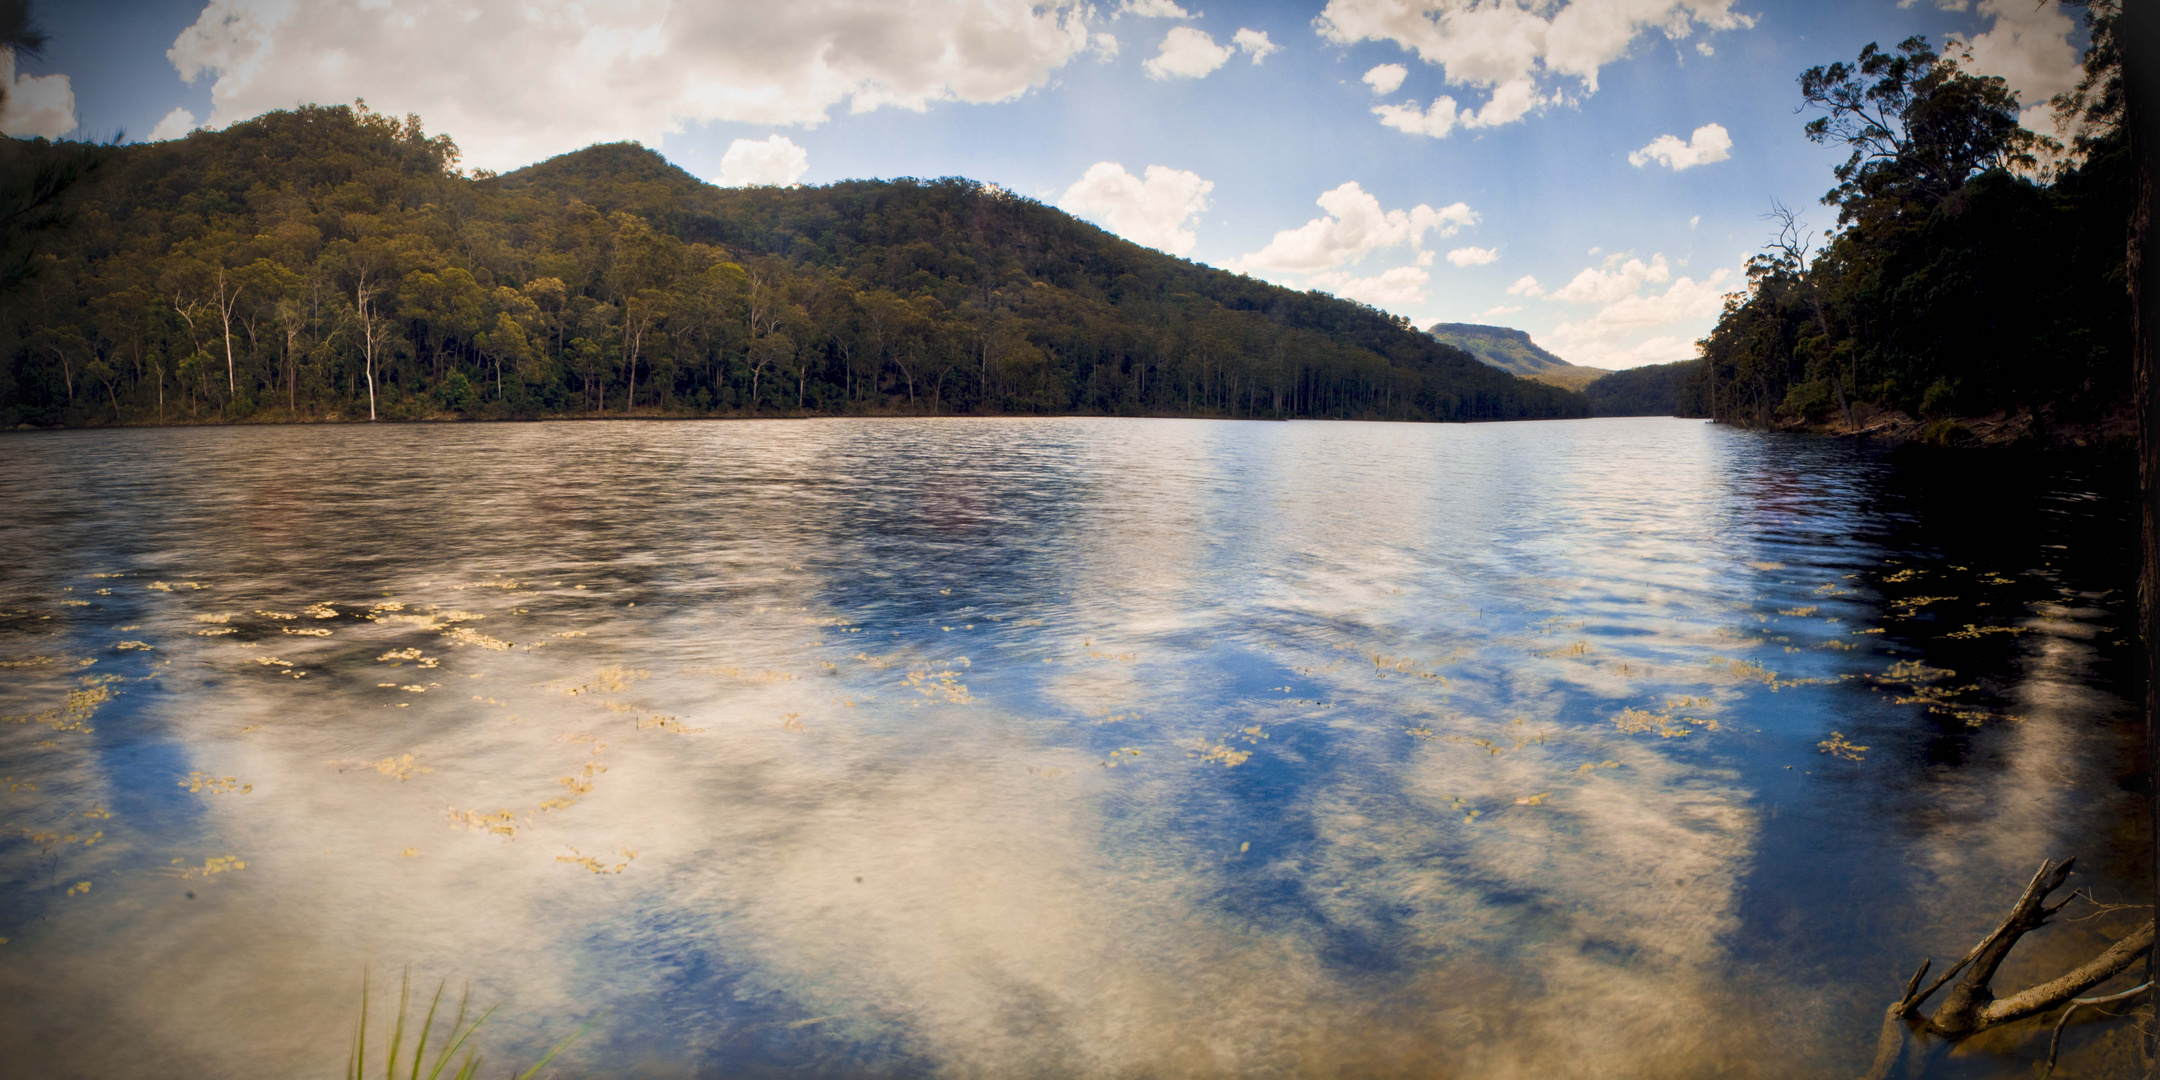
1046 748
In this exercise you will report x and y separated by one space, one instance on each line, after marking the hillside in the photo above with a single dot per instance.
1653 390
334 263
1513 351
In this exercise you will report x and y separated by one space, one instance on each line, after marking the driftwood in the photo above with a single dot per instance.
1972 1006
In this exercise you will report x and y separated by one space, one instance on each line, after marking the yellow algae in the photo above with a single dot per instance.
1970 632
74 603
308 631
125 646
1119 755
1766 566
460 635
96 813
199 781
320 610
213 866
1222 753
1799 612
499 822
272 661
78 888
220 631
666 723
1837 745
939 685
595 865
414 688
792 722
276 614
214 618
1534 800
33 661
401 768
409 853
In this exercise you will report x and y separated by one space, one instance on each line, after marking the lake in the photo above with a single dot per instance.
1070 747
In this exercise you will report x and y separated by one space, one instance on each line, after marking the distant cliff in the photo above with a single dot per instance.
1513 351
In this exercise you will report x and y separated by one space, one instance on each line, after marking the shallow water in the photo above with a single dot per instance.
1060 747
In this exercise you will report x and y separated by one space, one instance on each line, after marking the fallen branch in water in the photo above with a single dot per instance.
1971 1006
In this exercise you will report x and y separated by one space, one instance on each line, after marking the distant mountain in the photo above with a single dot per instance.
1513 351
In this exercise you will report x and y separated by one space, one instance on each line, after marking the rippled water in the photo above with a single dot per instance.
1065 747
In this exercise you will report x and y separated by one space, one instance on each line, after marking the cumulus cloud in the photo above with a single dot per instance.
1401 287
1644 314
1159 211
1254 43
42 105
1709 143
1514 50
176 124
1153 9
1473 256
776 161
1436 121
1355 226
1386 78
1526 286
1187 54
2029 46
515 81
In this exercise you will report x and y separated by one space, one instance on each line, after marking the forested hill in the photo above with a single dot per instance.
335 263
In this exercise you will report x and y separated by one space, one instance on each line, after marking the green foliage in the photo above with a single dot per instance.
333 262
1965 279
1652 390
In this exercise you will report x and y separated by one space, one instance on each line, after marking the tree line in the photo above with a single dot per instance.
338 263
1975 266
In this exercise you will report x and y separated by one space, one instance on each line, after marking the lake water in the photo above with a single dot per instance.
1048 747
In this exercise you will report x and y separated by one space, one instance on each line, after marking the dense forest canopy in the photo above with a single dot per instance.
1976 267
331 262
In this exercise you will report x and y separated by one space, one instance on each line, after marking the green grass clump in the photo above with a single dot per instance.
460 1031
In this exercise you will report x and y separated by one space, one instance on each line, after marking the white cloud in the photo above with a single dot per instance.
1619 277
1514 48
1187 54
1436 121
36 104
1709 143
1159 211
1254 43
1153 9
1635 322
1498 310
1526 286
1105 47
1401 287
1694 221
1355 227
176 124
2029 46
1473 256
777 161
518 80
1387 78
1705 48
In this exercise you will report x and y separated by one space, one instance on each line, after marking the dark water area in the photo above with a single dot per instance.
1051 748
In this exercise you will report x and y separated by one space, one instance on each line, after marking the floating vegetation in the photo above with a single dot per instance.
27 662
281 615
792 722
1838 746
1119 756
409 853
1588 767
1831 589
1799 612
320 610
1580 648
308 631
464 635
126 646
1902 576
211 867
500 822
1767 566
595 865
667 724
1221 753
1910 606
400 768
398 656
1405 666
1470 813
1749 671
79 706
1534 800
936 685
74 603
79 888
216 632
219 619
199 782
1665 722
1972 632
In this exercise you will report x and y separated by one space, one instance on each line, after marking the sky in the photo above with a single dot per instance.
1595 172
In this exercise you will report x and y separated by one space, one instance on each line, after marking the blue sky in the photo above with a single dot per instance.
1210 130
